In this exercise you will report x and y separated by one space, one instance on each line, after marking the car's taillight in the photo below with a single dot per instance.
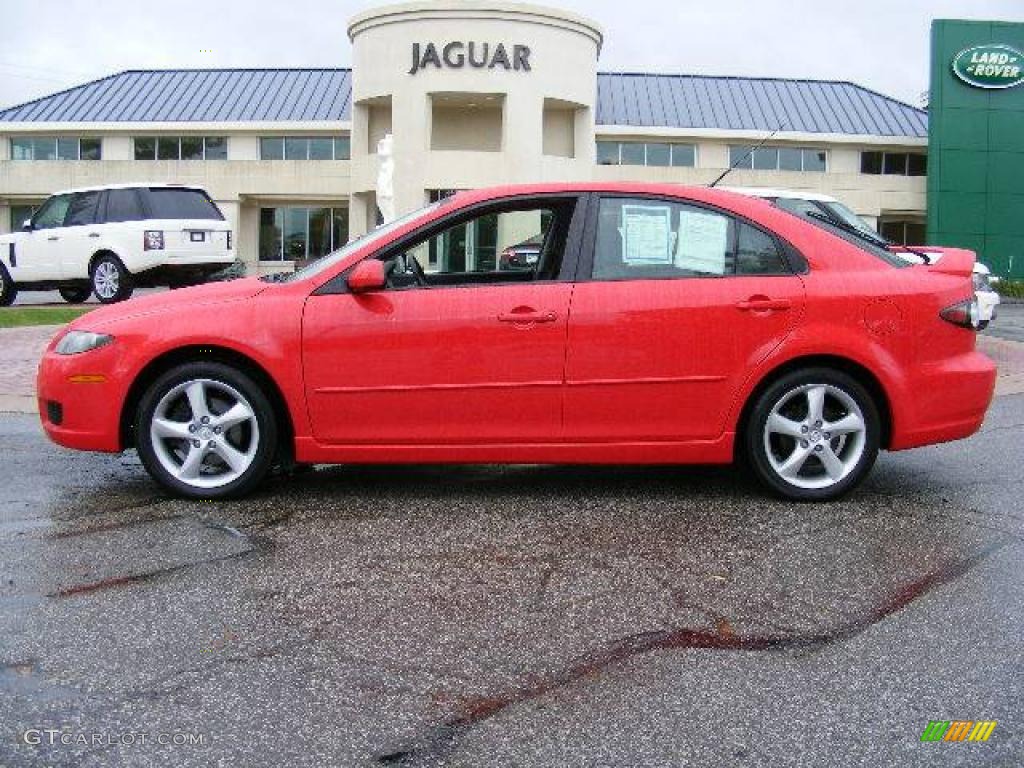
153 240
964 313
229 239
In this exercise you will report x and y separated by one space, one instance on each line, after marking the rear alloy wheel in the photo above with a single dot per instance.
813 435
206 430
111 282
8 290
75 295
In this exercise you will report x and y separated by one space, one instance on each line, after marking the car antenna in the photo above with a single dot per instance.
750 151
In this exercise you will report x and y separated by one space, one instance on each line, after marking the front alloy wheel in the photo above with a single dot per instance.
814 435
8 290
206 430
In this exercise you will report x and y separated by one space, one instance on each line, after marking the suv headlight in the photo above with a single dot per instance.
982 282
77 342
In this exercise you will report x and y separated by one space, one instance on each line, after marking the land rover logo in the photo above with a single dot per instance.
990 66
456 55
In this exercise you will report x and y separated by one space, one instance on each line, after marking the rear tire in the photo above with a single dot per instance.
8 290
111 282
75 295
813 435
206 431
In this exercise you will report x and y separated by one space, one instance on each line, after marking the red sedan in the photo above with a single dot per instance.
660 324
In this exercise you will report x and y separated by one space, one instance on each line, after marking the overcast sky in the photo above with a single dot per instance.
48 45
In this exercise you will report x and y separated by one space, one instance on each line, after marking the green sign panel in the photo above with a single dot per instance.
990 66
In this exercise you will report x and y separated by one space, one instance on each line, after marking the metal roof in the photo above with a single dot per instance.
623 99
197 95
753 103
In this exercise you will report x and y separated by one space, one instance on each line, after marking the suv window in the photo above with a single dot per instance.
522 243
640 239
123 205
53 213
82 210
170 203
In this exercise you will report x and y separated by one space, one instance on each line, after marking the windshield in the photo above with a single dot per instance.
380 233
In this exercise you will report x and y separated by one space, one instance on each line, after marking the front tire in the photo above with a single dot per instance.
8 290
813 435
75 295
111 282
206 431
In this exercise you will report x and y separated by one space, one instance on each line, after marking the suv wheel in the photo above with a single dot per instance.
206 430
813 435
111 282
8 290
75 295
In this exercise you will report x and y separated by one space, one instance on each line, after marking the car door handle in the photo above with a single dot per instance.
763 304
94 234
53 237
524 315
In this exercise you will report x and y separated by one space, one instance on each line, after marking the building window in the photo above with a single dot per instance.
305 148
300 233
653 154
181 147
808 159
894 163
903 232
55 148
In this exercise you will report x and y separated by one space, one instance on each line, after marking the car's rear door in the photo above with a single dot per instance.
476 357
678 302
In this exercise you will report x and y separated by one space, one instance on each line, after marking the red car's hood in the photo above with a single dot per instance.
169 301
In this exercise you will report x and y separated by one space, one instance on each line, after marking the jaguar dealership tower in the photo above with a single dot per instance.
469 91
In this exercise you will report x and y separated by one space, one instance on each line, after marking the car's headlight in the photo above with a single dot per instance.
76 342
982 282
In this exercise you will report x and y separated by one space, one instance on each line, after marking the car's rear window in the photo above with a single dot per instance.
182 204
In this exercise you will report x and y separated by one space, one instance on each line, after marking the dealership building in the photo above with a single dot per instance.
473 93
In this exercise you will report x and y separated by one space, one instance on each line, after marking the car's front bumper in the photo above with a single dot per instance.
80 399
988 301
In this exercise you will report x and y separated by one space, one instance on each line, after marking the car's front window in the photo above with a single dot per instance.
376 235
52 213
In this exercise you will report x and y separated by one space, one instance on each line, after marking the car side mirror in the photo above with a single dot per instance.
367 276
27 225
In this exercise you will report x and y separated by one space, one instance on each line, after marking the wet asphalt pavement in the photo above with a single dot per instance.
511 616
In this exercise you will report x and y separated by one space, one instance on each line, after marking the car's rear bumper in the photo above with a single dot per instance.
948 401
80 400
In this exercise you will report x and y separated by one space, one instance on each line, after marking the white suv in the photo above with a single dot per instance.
815 206
107 240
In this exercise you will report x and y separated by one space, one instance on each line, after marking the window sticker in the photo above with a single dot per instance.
646 234
702 242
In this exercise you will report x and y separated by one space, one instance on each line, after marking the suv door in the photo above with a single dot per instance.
677 303
79 236
457 350
40 249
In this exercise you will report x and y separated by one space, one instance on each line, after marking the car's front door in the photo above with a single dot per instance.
456 350
79 236
680 302
39 257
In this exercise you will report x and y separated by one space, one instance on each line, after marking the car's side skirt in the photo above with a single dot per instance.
715 451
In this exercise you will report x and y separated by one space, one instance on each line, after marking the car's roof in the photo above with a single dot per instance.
786 194
702 194
136 185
